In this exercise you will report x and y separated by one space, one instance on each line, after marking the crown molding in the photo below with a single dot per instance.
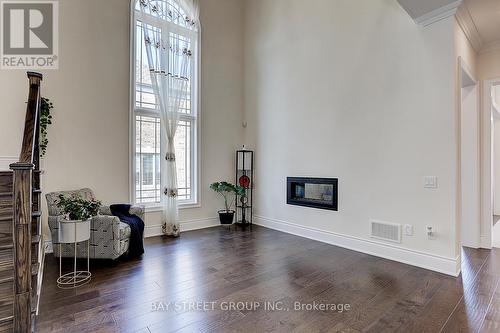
438 14
469 28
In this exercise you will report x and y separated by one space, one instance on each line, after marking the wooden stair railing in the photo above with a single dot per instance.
26 205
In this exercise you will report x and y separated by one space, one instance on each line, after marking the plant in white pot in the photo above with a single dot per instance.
225 190
77 213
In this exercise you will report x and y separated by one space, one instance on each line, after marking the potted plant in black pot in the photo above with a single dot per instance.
226 190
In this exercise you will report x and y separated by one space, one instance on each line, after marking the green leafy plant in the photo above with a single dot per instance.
45 121
76 208
226 189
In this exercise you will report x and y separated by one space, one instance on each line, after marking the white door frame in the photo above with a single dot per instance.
487 162
467 79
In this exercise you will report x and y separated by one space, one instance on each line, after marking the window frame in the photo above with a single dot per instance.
194 117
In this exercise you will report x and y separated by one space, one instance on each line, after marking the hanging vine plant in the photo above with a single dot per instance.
45 121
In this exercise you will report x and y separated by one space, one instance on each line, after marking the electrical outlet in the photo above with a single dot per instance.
408 230
430 182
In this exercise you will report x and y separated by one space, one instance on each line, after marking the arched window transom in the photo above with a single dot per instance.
170 11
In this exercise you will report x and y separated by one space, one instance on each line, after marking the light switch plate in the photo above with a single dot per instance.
431 232
430 182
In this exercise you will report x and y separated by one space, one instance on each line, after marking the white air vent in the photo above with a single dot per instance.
386 231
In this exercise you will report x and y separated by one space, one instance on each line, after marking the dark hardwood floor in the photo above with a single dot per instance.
223 265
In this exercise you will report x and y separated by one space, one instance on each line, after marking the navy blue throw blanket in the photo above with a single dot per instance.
136 246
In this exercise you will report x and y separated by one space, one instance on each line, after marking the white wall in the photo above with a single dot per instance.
354 90
465 51
489 65
89 140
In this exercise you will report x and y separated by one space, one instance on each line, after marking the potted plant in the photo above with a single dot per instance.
225 190
77 212
45 120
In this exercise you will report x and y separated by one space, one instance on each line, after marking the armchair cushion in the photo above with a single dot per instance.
124 231
53 197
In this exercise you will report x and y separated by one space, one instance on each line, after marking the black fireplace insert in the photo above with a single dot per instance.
313 192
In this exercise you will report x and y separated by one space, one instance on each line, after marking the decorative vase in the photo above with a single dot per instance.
74 231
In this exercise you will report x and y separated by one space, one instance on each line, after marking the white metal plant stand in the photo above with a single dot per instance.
73 232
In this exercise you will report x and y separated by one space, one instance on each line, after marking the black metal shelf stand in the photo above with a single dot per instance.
244 178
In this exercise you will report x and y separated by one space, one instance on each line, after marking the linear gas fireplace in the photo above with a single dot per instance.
313 192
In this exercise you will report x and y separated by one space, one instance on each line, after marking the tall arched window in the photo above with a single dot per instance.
170 21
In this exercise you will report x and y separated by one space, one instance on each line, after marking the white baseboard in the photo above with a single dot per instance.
445 265
155 230
486 242
152 231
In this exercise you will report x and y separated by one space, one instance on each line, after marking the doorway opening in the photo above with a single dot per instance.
490 192
494 95
470 159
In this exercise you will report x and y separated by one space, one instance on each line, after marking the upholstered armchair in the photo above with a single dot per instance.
109 237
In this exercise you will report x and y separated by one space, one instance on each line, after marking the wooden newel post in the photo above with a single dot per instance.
22 208
22 246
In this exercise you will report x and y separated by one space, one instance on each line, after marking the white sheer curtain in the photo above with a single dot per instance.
192 8
169 60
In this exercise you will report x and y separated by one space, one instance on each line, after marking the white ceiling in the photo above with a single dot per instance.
486 17
418 8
